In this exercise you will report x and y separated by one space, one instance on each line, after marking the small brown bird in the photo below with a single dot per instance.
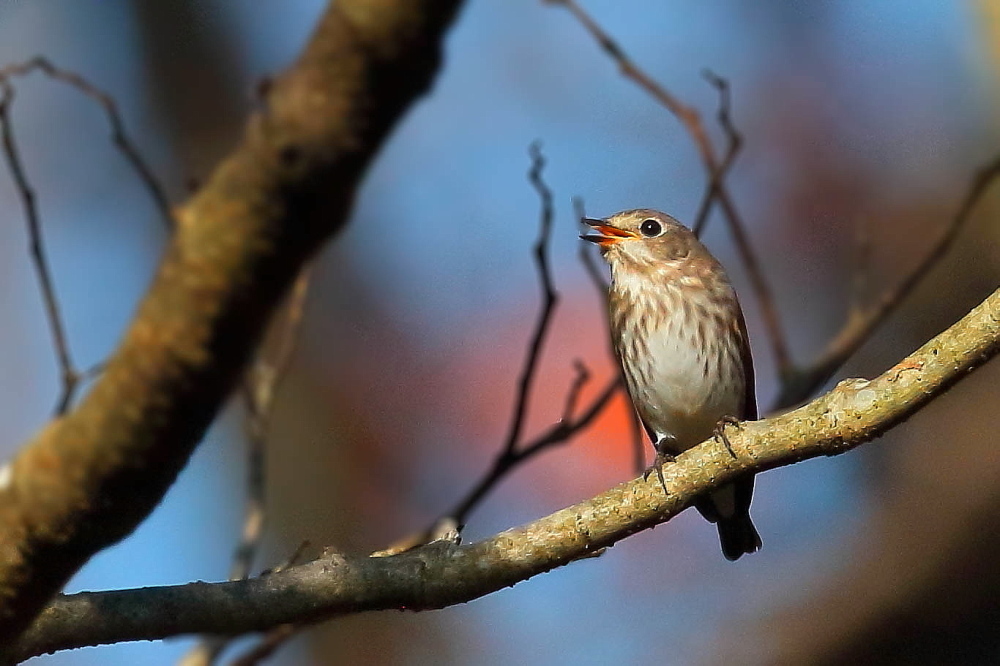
678 331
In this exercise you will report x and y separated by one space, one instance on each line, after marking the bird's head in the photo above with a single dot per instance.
642 237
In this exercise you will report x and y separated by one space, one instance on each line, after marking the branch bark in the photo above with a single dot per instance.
90 477
442 573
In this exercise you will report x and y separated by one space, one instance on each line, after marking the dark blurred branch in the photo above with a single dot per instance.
862 321
70 376
443 573
716 191
273 638
125 145
259 387
733 146
90 477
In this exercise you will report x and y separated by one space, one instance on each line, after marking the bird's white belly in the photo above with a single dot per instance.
688 384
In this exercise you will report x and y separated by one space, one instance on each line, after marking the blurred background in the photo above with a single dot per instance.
854 114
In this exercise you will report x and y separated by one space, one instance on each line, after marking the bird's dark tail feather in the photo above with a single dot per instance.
738 536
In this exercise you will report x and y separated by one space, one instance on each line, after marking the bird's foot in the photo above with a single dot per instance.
662 458
720 432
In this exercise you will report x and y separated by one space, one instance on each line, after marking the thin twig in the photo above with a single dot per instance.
119 136
563 431
559 433
857 329
514 452
550 299
70 375
268 645
573 396
734 144
259 388
691 120
275 637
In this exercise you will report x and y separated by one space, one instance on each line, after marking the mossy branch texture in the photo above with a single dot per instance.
90 477
442 573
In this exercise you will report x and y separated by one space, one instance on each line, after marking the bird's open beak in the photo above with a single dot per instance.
608 235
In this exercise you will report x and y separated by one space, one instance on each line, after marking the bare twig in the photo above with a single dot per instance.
268 645
69 374
573 395
805 381
509 455
691 120
514 452
71 377
259 387
118 134
550 299
275 637
734 144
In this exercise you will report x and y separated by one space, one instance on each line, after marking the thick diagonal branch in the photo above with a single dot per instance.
90 477
442 574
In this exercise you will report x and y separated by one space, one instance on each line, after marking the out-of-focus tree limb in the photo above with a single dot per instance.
90 477
441 574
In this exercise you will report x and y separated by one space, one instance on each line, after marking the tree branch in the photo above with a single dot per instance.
90 477
442 573
802 382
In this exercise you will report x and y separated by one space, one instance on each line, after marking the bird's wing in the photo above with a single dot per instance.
750 391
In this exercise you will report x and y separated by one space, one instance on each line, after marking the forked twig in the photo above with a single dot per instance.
734 144
514 452
550 299
861 323
70 376
691 120
118 134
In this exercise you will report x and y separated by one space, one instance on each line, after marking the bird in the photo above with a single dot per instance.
678 332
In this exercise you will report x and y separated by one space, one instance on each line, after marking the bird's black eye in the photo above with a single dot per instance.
650 228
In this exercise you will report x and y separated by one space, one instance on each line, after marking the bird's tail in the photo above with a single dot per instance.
729 508
738 536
